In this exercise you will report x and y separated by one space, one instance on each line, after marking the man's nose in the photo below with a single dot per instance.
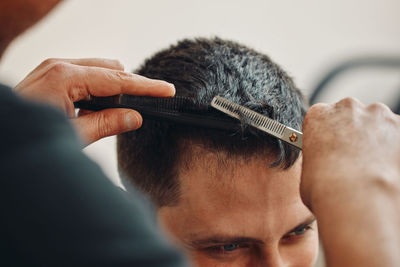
270 257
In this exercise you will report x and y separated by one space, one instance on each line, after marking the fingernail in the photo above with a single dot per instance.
133 120
173 88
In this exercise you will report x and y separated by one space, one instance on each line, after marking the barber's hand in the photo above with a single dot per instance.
349 147
61 82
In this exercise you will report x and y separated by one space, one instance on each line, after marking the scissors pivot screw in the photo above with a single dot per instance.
293 137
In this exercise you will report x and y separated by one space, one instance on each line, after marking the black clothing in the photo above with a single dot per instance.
57 207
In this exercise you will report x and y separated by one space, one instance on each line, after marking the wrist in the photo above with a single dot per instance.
343 189
361 215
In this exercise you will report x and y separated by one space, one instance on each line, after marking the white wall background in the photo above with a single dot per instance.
305 36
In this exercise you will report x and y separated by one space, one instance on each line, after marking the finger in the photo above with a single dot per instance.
90 62
379 107
97 62
105 82
119 82
52 63
97 125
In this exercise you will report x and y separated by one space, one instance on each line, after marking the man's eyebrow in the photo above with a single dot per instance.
222 239
226 239
309 220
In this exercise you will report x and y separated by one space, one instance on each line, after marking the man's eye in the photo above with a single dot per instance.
224 249
230 247
300 231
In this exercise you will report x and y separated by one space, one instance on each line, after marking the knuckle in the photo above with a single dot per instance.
50 61
384 113
47 63
315 112
58 68
348 102
316 109
378 107
121 79
123 76
103 128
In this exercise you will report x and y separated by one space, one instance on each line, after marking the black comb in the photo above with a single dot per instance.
179 109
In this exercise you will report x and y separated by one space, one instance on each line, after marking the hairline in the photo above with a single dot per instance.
196 151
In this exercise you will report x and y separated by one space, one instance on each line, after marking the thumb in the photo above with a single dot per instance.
94 126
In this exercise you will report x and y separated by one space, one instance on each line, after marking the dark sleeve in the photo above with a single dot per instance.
57 207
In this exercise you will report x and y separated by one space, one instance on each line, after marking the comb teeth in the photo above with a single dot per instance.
172 104
255 119
177 103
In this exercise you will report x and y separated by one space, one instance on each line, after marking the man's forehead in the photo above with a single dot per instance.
222 180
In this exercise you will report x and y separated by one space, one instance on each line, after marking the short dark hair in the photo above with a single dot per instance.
202 68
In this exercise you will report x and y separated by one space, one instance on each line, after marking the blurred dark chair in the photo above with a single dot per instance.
377 63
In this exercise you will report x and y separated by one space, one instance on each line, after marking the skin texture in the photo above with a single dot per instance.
351 181
225 199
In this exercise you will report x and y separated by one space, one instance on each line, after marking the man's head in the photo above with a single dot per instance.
227 197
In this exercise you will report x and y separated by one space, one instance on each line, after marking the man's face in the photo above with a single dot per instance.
240 212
